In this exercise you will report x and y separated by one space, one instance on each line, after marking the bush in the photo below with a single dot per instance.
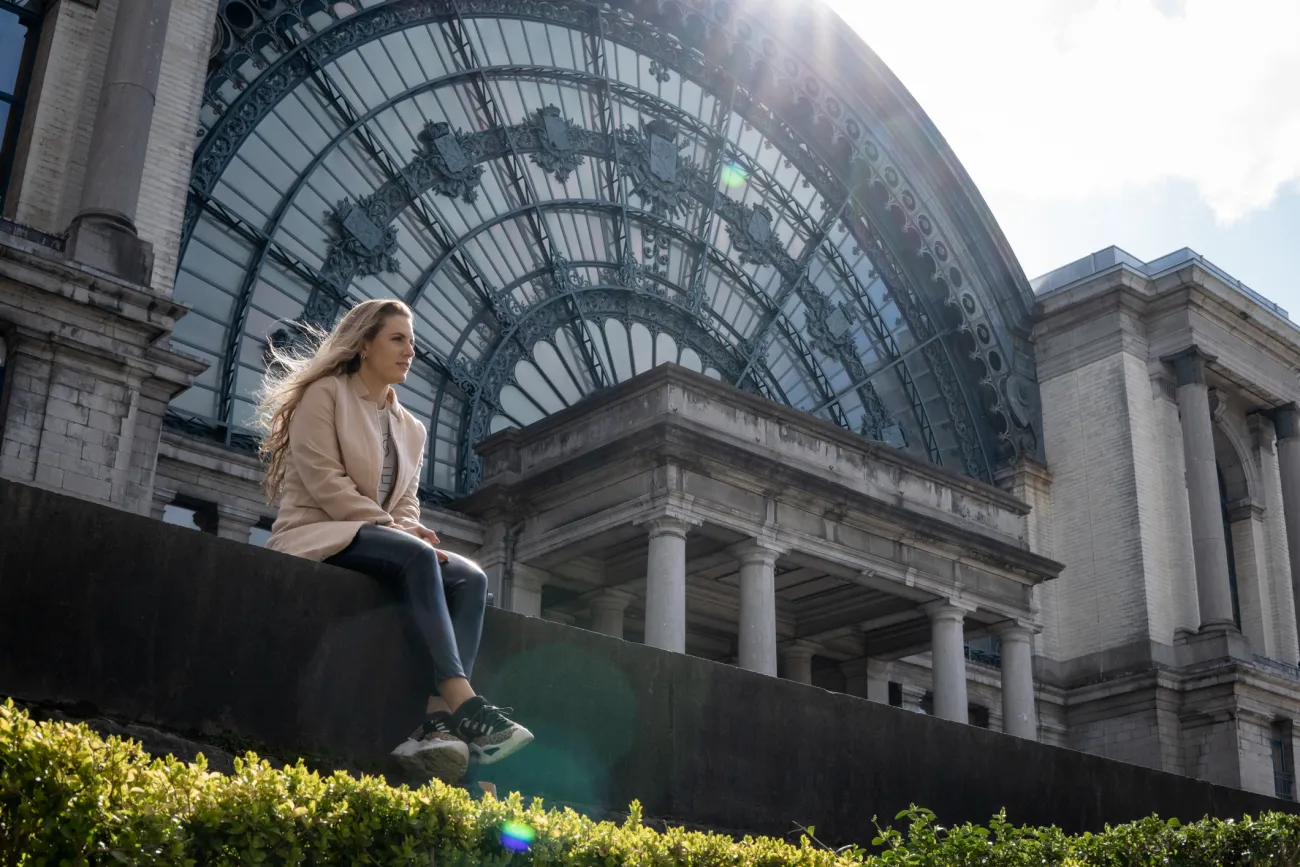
68 796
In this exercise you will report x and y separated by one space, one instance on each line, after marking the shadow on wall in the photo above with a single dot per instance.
178 629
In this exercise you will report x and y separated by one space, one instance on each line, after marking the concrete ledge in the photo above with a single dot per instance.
184 631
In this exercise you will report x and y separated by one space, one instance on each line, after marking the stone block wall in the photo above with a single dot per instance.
1096 515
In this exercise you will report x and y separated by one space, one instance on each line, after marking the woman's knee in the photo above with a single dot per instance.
466 572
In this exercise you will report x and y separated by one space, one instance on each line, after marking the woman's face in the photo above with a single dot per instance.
387 358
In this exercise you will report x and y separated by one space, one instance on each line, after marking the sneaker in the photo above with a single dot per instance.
432 750
490 735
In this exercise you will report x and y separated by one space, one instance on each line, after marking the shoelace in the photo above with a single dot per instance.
487 718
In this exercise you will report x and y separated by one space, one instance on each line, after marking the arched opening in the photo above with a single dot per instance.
1244 538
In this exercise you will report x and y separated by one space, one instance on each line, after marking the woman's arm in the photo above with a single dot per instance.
314 450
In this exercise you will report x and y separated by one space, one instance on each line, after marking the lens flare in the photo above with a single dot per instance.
733 175
517 837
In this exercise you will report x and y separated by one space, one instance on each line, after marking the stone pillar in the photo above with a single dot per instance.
235 524
867 678
103 234
757 638
1286 420
526 583
665 597
162 498
796 659
607 609
913 696
878 681
855 677
1018 715
949 658
1209 549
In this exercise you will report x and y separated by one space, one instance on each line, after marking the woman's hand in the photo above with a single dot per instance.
424 534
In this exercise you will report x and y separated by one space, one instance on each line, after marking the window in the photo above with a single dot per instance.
1283 760
261 533
20 31
4 356
192 516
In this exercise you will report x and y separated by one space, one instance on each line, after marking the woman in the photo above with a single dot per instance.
344 460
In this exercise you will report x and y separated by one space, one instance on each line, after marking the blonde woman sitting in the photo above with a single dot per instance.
344 460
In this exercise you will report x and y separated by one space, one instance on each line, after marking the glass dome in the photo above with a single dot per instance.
568 194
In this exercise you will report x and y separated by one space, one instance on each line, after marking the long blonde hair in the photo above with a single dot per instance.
290 372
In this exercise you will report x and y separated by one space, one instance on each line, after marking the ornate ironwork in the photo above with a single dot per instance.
661 176
447 163
559 142
666 182
360 244
750 230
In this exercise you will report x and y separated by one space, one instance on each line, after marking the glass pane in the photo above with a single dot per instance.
16 40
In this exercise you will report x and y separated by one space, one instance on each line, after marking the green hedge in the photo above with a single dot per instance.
68 796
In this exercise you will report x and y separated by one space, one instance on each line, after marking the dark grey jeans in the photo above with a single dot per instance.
447 600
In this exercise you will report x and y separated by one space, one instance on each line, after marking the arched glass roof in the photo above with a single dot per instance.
568 194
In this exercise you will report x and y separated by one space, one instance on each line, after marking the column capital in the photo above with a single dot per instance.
760 551
799 649
672 524
612 599
1189 364
1286 421
949 609
1015 630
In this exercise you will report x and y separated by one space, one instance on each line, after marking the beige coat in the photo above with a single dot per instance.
334 462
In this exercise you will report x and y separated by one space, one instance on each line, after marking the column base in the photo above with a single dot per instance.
112 248
1211 641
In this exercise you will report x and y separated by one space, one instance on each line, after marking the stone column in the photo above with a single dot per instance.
1209 550
1018 715
757 638
796 658
235 524
526 583
913 696
607 609
103 234
949 658
1286 420
665 597
867 678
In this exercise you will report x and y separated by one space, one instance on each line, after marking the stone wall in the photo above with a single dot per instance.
197 634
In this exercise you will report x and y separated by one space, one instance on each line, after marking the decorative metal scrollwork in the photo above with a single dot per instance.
660 175
447 163
655 178
558 141
359 244
630 274
751 232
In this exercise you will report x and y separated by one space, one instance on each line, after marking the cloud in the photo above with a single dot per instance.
1049 100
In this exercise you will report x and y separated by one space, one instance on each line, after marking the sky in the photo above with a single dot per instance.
1151 125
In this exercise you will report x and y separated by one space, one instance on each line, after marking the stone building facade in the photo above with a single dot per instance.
713 356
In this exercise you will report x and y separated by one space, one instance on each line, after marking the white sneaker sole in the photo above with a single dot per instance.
446 761
519 738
